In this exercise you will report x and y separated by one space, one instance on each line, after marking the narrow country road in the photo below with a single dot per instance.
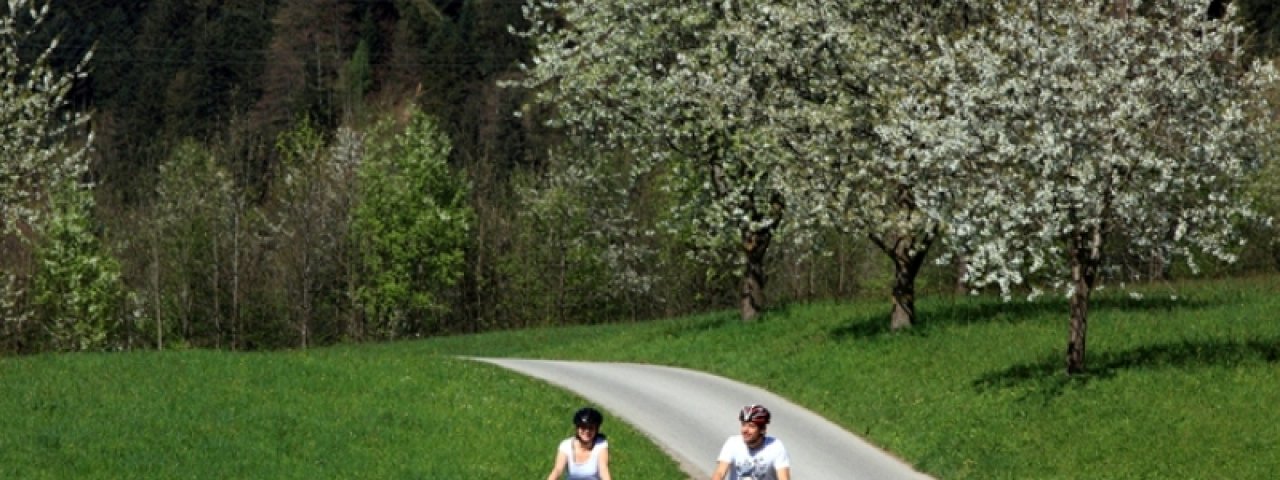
689 414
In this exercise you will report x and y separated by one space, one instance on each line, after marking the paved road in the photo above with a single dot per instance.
690 413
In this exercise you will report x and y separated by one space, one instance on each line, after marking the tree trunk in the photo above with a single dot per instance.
355 326
237 323
155 288
906 266
1086 255
214 271
907 253
754 246
904 299
304 285
1079 320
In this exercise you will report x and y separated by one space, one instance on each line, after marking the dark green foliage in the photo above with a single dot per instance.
202 252
357 79
571 266
310 44
1262 20
1262 252
164 71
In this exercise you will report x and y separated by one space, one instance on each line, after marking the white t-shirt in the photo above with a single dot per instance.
759 464
590 470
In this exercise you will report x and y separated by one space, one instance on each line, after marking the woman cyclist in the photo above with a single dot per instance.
585 455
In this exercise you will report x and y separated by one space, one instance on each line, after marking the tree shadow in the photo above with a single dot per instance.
960 311
862 327
1046 379
700 324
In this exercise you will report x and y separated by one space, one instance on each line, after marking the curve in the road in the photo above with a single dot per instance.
690 413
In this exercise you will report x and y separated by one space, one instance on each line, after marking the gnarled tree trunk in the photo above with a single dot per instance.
755 244
907 253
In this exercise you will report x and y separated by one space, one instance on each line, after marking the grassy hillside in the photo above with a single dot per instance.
1181 387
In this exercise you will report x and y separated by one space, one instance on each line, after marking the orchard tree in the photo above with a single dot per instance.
841 66
757 108
1077 127
672 85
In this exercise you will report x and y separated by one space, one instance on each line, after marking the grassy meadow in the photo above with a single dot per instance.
348 412
1184 383
1181 386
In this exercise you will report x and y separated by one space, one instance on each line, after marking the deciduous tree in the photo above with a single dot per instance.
761 105
1081 126
840 66
44 207
410 224
193 237
671 84
43 140
79 299
310 212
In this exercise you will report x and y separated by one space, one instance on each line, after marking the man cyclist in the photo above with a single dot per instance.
753 455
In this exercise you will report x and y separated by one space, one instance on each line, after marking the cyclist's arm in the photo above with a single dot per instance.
721 470
784 473
602 464
558 468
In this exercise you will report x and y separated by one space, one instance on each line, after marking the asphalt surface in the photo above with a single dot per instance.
690 414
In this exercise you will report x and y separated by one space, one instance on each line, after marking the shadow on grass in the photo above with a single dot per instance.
701 324
965 311
1047 379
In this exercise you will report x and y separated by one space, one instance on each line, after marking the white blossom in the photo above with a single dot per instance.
1067 120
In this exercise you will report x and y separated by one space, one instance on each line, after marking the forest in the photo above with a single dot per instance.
261 174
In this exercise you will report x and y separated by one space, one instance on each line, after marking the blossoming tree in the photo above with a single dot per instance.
846 65
1084 130
671 84
42 141
752 106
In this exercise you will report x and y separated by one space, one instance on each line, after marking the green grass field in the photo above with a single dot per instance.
1178 388
347 412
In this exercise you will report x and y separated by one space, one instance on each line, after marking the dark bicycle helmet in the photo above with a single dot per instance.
756 414
588 416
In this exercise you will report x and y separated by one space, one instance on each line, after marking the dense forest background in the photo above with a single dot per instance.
209 117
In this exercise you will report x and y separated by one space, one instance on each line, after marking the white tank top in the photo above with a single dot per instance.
589 470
